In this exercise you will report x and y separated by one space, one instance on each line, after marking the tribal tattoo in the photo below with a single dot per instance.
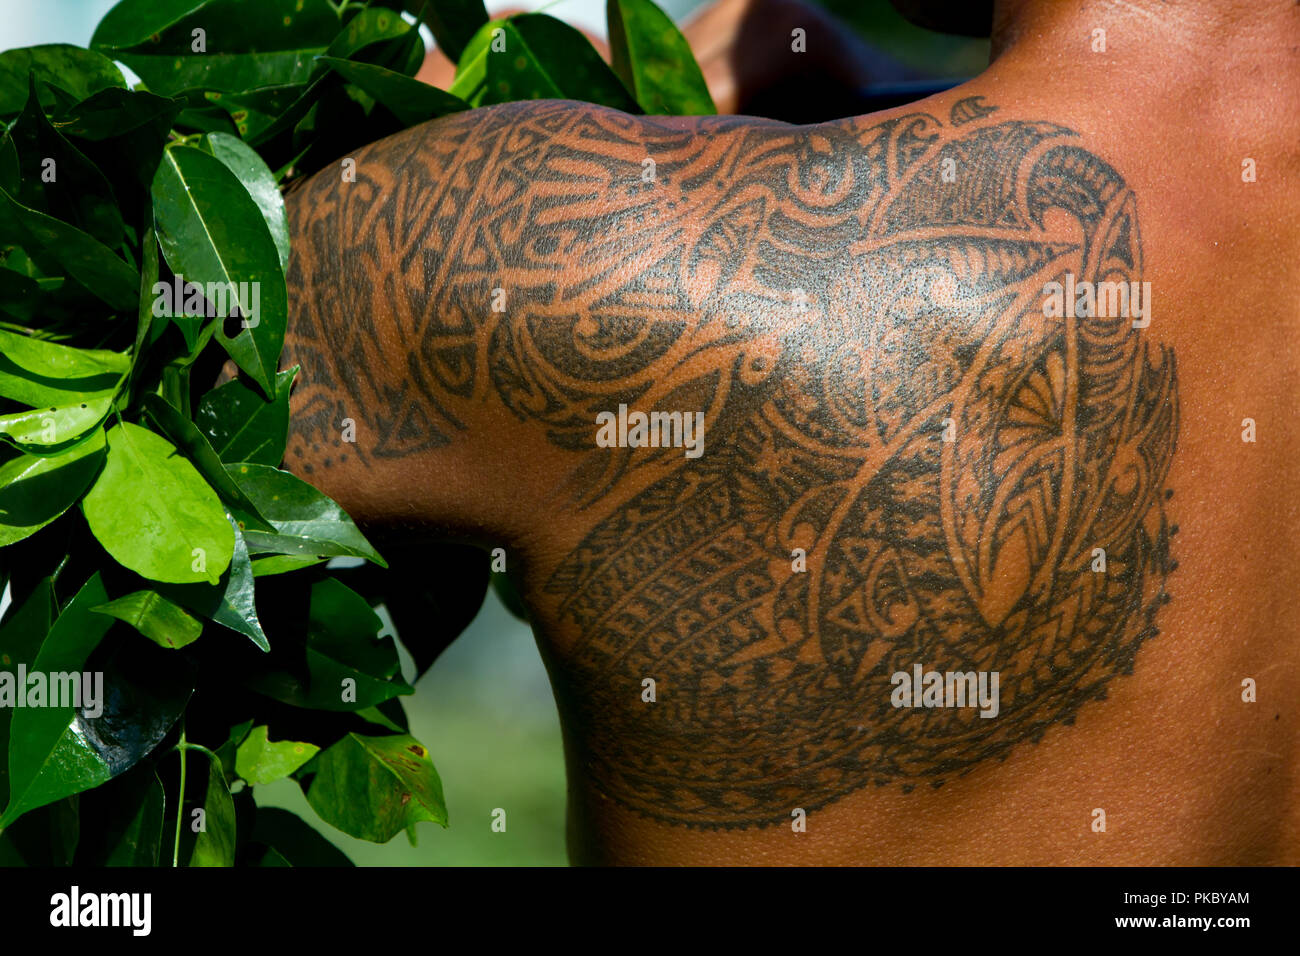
857 308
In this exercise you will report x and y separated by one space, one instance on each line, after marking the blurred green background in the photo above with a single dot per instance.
485 710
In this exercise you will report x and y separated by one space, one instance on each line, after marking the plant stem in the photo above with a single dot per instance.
180 800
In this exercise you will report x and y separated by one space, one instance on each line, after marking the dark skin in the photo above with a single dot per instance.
861 326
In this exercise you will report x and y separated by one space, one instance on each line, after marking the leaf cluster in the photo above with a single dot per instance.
148 533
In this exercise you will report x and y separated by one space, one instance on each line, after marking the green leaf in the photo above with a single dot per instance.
34 490
654 60
54 430
349 667
85 258
242 426
10 172
227 72
342 644
375 715
48 836
214 843
113 113
157 618
259 761
248 167
373 788
537 57
508 595
431 591
154 513
55 752
211 231
295 840
282 564
21 635
256 128
48 759
454 23
20 296
409 100
226 752
134 21
148 327
127 815
231 602
229 25
60 180
372 25
190 440
52 360
81 72
306 521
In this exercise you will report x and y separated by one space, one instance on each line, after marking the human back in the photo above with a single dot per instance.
904 461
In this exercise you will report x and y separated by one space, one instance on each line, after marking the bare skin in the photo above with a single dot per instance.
882 393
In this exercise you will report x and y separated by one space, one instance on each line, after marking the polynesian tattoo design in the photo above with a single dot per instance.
835 299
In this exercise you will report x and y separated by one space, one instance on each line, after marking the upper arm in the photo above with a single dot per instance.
855 310
490 278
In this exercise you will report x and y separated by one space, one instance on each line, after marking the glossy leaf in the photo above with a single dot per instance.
113 113
259 760
372 25
167 26
125 821
157 618
211 231
48 836
130 22
214 844
84 257
654 60
294 840
248 167
255 111
306 521
52 360
409 100
432 592
348 667
227 72
226 752
538 57
454 23
48 760
81 72
58 751
343 644
231 602
58 178
242 426
148 327
154 513
21 634
54 430
34 490
282 564
373 788
192 442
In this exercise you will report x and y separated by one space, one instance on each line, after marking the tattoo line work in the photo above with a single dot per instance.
923 312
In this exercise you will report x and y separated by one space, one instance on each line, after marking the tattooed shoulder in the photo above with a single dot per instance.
912 464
